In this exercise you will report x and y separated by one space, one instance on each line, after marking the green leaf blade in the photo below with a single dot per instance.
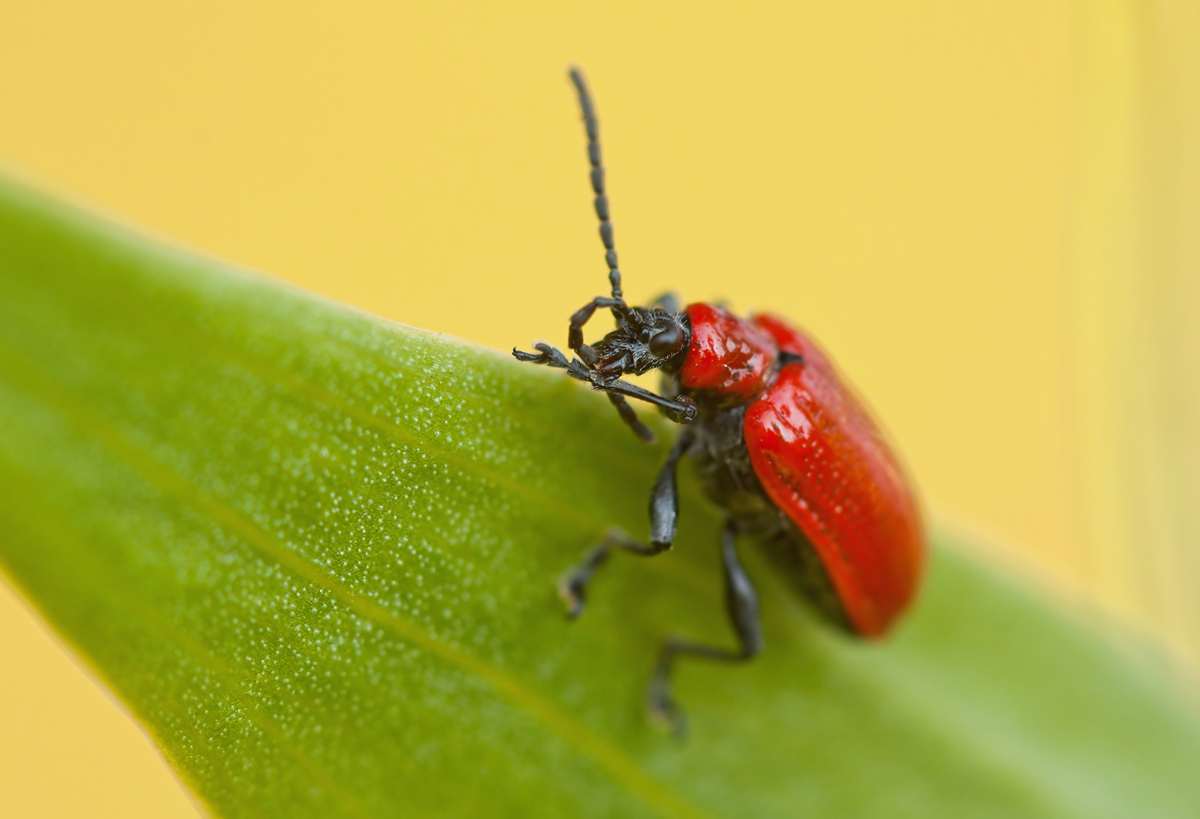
314 553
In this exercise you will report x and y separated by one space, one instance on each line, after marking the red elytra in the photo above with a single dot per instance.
779 442
818 455
824 462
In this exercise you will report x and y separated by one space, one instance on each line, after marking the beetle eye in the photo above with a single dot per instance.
668 342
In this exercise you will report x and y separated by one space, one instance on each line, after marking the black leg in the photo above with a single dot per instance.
584 314
668 302
680 408
553 357
630 417
573 587
664 518
742 603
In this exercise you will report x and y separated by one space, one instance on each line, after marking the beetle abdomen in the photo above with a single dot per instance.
795 559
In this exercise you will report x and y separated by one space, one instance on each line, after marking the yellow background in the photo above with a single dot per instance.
986 211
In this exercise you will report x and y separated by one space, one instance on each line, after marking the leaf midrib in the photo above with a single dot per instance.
606 756
53 528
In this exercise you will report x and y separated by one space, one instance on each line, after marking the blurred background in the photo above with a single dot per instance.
988 212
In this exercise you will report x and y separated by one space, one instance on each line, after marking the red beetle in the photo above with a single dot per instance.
779 442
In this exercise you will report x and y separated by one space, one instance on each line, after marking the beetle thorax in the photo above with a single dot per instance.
730 360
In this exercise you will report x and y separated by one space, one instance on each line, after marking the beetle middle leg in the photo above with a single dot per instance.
664 519
630 418
742 602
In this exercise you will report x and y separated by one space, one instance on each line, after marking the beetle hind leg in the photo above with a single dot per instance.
742 603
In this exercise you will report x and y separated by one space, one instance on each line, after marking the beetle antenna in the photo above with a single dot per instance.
592 125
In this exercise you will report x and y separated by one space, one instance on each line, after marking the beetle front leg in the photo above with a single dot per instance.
664 518
584 314
742 603
553 357
680 408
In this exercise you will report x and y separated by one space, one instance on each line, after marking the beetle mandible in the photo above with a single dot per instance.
778 441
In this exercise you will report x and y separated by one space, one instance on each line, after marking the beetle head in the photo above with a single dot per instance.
646 338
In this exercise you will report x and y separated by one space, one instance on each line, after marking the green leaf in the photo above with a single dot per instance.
314 553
